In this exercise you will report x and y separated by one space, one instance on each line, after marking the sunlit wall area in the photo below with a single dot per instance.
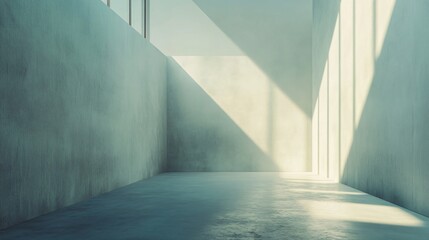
370 72
325 88
234 118
239 89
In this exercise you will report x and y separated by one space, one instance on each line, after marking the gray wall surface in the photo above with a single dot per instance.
201 136
239 87
82 105
371 101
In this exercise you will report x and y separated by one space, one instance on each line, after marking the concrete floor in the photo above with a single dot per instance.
228 206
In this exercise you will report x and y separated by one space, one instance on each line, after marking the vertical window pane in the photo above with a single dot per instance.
137 15
146 15
121 8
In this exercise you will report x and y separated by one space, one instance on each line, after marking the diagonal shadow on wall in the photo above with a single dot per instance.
264 31
388 157
326 23
215 141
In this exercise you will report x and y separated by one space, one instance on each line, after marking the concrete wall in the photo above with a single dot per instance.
325 22
82 105
239 86
370 101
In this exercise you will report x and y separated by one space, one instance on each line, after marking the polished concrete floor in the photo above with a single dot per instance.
228 206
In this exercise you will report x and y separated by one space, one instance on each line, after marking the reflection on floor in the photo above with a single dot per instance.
228 206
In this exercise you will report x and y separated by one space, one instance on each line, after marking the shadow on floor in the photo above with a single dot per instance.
226 206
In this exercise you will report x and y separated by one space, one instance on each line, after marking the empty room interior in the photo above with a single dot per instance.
214 119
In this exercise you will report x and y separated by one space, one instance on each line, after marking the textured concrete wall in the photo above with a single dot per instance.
239 88
82 105
325 14
371 98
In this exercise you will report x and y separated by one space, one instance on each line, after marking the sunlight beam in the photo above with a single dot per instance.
361 212
257 105
357 42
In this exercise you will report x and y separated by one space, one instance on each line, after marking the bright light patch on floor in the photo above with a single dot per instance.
358 212
325 191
